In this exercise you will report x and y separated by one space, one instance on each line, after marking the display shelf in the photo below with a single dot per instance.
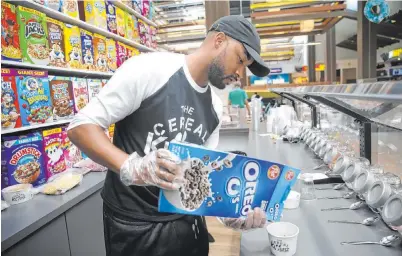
67 19
32 127
57 70
134 12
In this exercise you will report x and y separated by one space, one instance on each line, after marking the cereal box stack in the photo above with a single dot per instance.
24 160
80 92
100 53
54 157
10 42
33 36
111 55
111 17
93 12
94 88
55 30
10 110
73 46
34 97
87 50
61 92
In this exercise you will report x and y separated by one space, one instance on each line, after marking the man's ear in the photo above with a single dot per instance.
220 38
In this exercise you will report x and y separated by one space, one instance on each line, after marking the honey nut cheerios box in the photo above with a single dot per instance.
10 42
33 36
34 97
227 185
72 40
10 109
53 151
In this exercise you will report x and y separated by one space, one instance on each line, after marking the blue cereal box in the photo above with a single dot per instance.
34 97
227 185
24 162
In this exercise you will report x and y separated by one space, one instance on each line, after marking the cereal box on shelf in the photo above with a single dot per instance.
93 12
54 157
129 22
111 131
10 42
121 22
100 53
54 4
61 92
33 36
72 154
94 87
10 110
223 184
121 53
129 51
24 160
148 41
80 92
72 40
153 37
143 31
70 7
145 8
137 5
55 31
34 97
87 50
111 17
111 55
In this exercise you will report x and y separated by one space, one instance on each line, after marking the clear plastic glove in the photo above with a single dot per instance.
255 219
159 168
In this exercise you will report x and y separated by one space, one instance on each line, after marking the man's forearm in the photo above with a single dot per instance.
92 140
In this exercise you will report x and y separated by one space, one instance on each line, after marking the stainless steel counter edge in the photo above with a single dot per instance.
43 209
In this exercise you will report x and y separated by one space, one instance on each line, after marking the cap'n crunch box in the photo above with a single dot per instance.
34 97
55 30
121 52
73 46
54 157
25 163
111 17
61 92
80 92
87 50
100 53
33 36
70 7
227 185
10 110
10 42
111 55
93 12
72 154
121 22
94 88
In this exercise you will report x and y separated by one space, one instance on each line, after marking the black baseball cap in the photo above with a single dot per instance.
240 29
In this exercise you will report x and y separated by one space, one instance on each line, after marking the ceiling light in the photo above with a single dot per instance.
393 21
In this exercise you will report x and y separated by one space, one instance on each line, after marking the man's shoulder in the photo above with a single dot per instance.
157 61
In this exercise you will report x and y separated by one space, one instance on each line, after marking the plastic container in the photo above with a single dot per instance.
17 194
283 238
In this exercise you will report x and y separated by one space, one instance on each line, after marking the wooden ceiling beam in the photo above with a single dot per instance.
300 17
291 34
324 8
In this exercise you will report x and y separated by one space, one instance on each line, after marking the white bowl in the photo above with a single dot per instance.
18 193
283 238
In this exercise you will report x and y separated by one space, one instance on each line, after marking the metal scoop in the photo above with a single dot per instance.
353 206
367 222
345 196
336 187
385 241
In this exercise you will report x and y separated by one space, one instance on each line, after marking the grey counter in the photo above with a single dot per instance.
20 221
317 237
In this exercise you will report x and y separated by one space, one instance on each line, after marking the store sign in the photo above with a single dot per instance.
395 53
275 70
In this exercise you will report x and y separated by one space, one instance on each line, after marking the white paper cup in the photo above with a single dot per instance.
18 193
283 238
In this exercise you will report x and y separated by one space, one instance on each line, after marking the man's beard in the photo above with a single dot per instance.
216 73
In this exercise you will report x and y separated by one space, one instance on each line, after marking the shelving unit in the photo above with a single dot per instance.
32 127
57 70
67 19
134 12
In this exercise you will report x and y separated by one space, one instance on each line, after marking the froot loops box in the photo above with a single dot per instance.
34 97
227 185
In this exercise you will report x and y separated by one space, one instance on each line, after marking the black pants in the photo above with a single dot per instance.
130 237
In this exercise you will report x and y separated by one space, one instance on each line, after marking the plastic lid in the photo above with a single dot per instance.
351 172
392 211
378 194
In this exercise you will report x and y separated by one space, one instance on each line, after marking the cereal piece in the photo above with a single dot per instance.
219 198
56 42
209 204
205 158
10 109
33 36
227 163
10 42
220 168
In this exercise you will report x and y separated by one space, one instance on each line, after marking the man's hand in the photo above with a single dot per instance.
159 168
255 219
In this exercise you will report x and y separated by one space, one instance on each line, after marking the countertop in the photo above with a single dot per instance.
19 221
317 237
